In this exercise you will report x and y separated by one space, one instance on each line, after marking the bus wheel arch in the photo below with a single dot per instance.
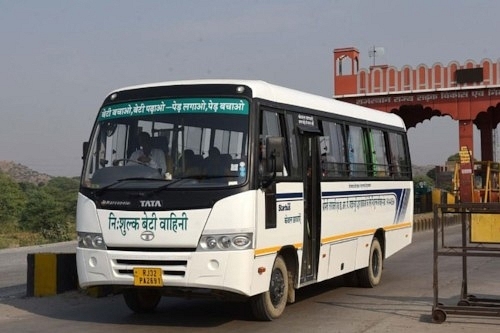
270 304
289 254
371 275
380 235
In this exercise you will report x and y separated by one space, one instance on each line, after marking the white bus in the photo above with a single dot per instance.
262 190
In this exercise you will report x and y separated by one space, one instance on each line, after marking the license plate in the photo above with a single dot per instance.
148 277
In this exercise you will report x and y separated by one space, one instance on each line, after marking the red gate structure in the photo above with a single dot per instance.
468 93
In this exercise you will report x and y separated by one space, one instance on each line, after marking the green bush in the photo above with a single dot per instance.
32 214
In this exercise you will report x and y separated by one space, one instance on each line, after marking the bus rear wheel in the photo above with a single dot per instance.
271 304
370 276
142 300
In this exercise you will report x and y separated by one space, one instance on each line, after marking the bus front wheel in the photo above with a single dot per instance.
271 304
370 276
142 300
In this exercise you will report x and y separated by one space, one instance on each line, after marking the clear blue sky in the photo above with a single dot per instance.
58 59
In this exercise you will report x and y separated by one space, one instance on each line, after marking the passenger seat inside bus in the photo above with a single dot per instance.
191 163
160 142
226 160
213 163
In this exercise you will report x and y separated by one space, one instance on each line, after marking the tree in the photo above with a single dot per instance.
423 183
455 158
12 200
45 215
64 190
432 174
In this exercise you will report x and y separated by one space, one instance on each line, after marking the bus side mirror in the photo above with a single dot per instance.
275 147
85 149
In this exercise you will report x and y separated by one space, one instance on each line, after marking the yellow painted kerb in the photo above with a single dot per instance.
45 279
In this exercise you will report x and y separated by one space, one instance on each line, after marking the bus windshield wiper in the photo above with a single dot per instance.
173 181
176 180
116 182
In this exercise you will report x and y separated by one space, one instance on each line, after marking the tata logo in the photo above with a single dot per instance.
150 203
147 235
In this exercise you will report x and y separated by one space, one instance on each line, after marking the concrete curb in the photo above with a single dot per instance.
428 223
51 273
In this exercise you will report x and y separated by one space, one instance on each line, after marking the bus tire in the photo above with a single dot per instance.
370 276
271 304
142 300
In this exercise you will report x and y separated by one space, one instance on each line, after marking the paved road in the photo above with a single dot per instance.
13 266
401 303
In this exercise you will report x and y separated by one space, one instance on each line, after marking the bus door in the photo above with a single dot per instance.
312 207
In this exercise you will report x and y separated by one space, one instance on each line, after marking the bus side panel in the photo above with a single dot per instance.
288 231
351 214
342 257
289 220
397 239
363 251
261 273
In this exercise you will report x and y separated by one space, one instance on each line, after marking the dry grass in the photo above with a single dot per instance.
19 239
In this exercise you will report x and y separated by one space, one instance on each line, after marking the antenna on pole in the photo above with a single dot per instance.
376 52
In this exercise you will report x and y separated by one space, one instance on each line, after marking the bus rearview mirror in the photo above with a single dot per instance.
274 153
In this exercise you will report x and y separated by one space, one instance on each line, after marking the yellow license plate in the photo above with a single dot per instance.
148 277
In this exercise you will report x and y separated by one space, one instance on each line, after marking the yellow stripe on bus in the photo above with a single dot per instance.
367 232
398 226
364 232
274 249
348 236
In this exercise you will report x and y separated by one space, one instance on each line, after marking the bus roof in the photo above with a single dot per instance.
264 90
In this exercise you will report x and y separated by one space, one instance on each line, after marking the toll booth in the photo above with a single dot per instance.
484 179
485 182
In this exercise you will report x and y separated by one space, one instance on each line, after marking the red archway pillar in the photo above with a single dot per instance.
466 142
485 125
487 143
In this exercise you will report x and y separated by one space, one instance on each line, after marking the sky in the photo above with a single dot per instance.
59 59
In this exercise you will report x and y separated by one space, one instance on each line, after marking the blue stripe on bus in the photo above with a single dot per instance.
362 192
288 196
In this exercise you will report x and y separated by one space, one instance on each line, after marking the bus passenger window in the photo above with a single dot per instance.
264 167
399 164
379 154
357 151
332 148
270 127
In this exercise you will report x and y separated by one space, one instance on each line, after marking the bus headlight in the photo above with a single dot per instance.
225 242
211 243
90 240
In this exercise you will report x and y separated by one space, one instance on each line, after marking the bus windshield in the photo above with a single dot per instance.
182 142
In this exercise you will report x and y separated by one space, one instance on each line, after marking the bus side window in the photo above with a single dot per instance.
333 152
399 164
270 127
379 154
358 150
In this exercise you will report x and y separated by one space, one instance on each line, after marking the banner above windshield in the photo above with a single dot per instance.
175 105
